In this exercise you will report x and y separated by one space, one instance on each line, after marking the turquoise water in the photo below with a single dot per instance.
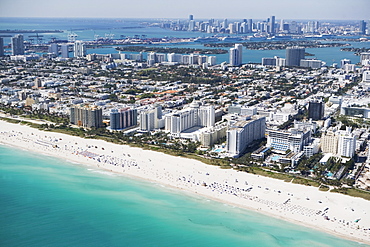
275 157
48 202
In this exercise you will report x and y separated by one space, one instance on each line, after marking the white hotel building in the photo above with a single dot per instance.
194 115
242 133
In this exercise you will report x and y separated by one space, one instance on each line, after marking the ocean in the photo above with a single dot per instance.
88 28
49 202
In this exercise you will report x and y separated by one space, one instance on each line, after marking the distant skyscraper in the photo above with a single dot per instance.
232 28
191 17
293 27
282 25
243 28
1 47
250 25
224 23
362 27
79 49
294 55
17 45
316 110
236 55
64 51
191 25
272 25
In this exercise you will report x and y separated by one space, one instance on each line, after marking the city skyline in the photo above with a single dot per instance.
286 9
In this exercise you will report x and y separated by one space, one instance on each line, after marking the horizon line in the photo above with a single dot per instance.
177 18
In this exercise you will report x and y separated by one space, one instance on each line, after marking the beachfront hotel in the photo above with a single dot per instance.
242 133
194 115
152 118
87 116
123 118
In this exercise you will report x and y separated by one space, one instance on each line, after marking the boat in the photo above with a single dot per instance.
206 39
231 39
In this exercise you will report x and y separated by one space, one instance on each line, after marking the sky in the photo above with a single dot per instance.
201 9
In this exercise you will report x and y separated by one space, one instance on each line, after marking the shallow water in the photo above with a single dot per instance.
49 202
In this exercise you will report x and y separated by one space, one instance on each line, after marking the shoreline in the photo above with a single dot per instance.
303 205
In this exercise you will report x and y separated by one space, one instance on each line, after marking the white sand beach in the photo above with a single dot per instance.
334 213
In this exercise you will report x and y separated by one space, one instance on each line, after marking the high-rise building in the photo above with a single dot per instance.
191 25
207 116
123 118
316 110
281 25
236 55
64 51
343 62
151 58
341 143
362 27
364 56
191 17
366 76
86 116
346 144
293 27
17 45
211 60
267 61
202 59
194 115
242 133
233 60
174 58
1 47
232 28
311 63
250 25
213 134
193 58
79 49
293 140
294 55
151 119
225 23
53 48
37 83
329 143
272 25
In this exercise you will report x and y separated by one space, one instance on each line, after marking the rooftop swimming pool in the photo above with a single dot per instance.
275 157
